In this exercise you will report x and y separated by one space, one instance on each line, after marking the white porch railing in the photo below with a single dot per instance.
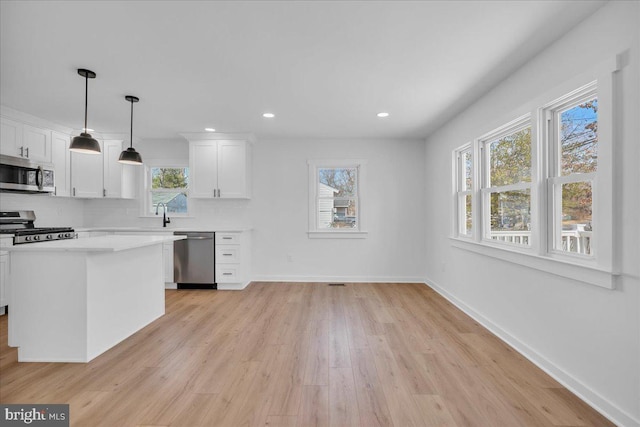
576 241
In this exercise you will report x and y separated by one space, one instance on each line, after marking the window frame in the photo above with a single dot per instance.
555 180
487 189
146 205
358 232
601 269
461 191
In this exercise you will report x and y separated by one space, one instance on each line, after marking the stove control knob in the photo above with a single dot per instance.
61 236
67 235
36 237
49 237
28 238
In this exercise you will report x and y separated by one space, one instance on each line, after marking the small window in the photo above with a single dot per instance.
573 142
335 194
167 188
507 183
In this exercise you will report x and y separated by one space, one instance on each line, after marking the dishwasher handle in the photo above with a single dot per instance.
199 238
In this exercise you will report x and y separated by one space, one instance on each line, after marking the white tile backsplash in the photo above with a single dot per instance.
50 211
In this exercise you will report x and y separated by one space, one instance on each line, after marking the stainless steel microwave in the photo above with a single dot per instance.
25 176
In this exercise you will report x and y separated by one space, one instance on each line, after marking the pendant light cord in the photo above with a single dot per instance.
131 136
86 100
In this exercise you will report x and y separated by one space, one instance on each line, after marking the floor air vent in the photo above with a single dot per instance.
336 284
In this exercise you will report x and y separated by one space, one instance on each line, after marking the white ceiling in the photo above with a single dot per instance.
324 68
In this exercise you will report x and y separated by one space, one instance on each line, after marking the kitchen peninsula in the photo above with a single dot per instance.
72 300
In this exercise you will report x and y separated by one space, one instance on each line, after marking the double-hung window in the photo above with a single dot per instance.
572 131
463 158
166 187
506 187
335 198
539 190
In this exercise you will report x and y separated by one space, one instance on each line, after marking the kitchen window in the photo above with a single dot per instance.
335 198
166 186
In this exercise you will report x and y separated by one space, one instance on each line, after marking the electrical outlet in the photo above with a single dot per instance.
289 258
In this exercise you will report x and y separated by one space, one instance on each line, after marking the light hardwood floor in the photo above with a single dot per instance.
288 354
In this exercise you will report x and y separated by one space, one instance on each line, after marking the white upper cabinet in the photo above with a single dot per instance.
220 169
61 159
10 137
37 143
26 141
233 169
119 179
203 169
87 179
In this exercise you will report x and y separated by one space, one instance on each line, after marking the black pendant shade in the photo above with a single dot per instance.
85 143
130 156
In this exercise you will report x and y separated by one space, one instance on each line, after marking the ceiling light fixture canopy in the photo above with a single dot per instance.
130 156
85 143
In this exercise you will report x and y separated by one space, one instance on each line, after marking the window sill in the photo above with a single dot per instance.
580 272
337 234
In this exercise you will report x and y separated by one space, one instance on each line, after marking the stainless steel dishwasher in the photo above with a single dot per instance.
194 260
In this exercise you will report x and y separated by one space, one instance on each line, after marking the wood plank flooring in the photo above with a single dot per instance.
302 354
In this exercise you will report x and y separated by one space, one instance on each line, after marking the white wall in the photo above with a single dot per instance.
394 210
586 336
50 211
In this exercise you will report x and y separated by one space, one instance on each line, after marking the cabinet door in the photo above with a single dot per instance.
61 159
232 169
37 143
203 168
112 168
4 278
10 137
86 175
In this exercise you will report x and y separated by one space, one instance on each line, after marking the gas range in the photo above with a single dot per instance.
21 225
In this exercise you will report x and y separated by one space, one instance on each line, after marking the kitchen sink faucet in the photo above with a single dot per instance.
165 220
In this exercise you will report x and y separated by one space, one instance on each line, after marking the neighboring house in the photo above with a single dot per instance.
174 202
325 205
340 208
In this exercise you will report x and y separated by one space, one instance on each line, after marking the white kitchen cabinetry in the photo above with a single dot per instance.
4 273
119 179
220 169
26 141
233 261
61 159
87 179
4 280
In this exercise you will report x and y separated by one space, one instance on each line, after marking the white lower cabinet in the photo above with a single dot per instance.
167 252
4 281
233 260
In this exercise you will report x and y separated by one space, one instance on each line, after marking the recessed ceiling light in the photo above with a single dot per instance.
383 114
210 129
269 115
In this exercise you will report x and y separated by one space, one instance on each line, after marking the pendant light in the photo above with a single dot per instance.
85 142
130 156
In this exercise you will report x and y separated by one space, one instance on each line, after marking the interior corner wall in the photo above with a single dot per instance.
587 337
393 205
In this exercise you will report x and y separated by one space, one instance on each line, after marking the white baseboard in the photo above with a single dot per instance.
347 279
589 396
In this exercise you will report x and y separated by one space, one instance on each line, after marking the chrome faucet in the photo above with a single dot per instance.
165 220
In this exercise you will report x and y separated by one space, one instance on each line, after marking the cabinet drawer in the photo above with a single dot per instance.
227 239
227 274
227 254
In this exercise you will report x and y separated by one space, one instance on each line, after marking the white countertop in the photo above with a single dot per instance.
95 244
161 229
